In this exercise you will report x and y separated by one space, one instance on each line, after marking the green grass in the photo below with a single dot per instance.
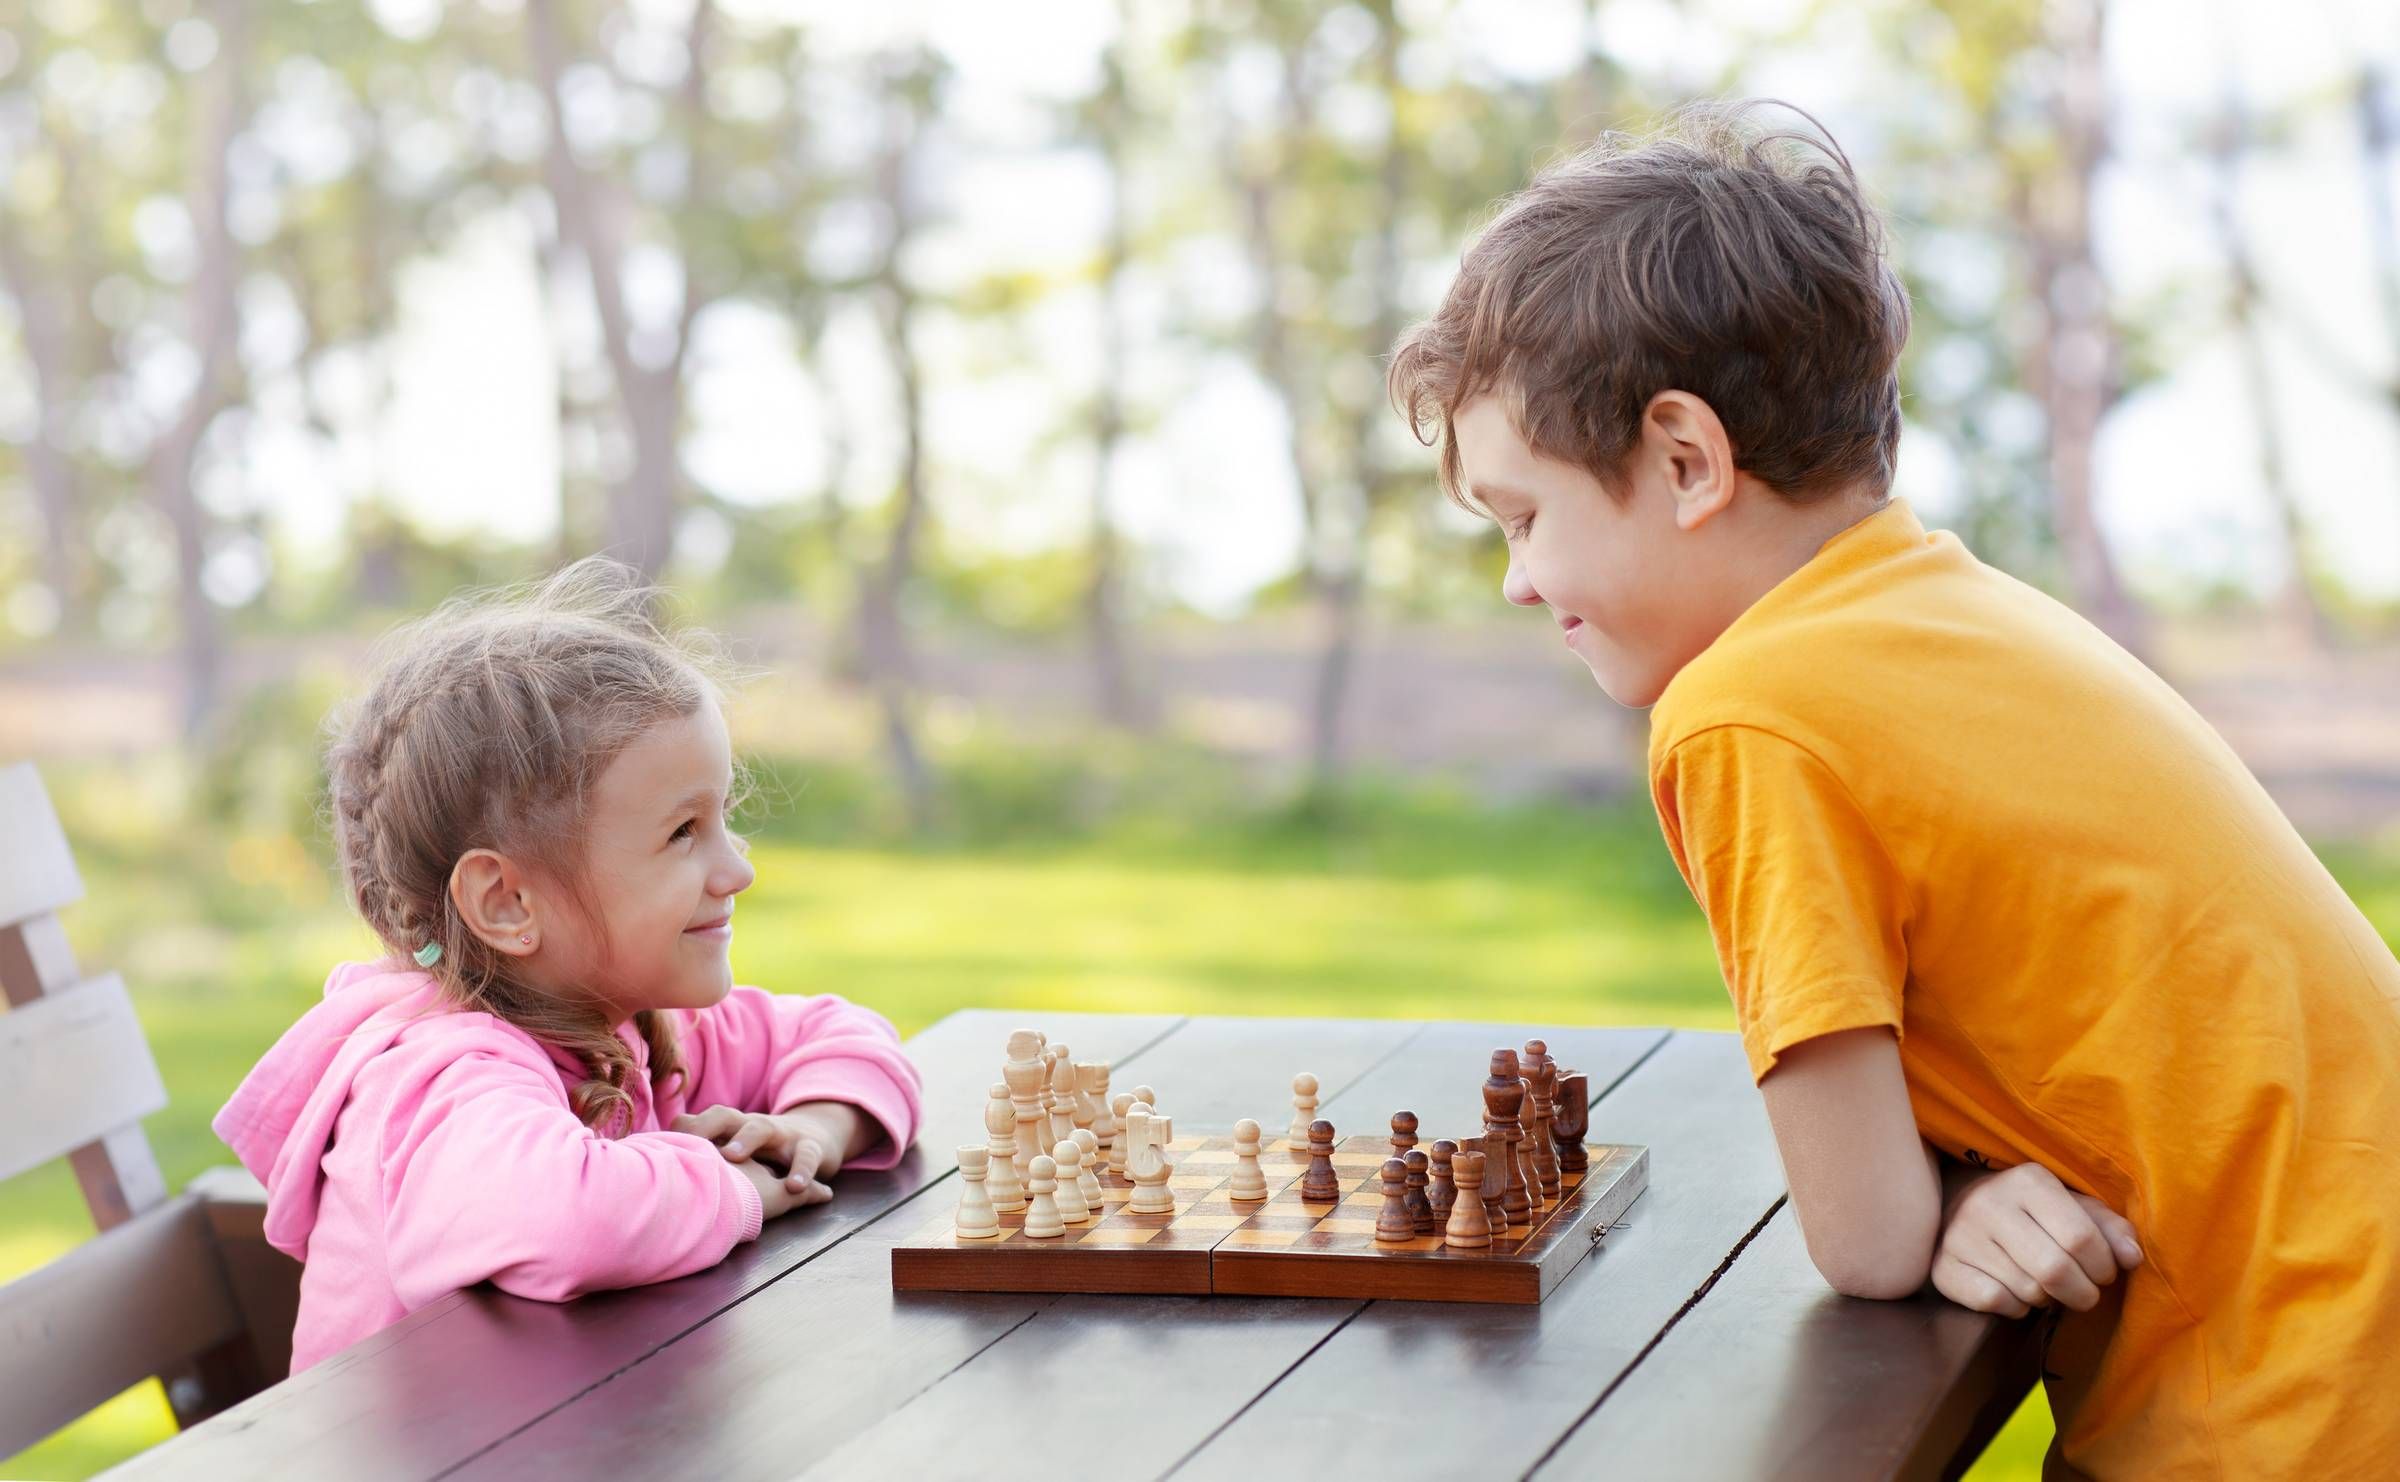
1409 904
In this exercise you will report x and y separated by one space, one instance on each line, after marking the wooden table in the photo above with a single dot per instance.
1698 1342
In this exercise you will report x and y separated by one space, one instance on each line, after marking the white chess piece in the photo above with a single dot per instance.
976 1219
1041 1218
1093 1193
1304 1109
1062 1098
1249 1183
1146 1095
1149 1135
1119 1109
1023 1073
1068 1156
1000 1120
1089 1078
1104 1117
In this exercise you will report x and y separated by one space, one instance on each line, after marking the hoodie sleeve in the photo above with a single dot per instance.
488 1176
762 1051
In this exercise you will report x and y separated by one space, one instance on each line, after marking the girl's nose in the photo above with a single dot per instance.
736 875
1517 587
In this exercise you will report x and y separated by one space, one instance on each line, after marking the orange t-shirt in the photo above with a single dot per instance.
1909 790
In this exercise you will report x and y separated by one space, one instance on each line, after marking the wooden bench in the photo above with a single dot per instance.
183 1287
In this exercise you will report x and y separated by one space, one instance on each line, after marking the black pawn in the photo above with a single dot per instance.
1320 1185
1395 1222
1442 1191
1420 1206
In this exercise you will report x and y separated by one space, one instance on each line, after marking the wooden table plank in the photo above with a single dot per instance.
1184 1365
1830 1387
786 1378
1534 1371
469 1370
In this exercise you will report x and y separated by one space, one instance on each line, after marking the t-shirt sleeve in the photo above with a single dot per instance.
1809 913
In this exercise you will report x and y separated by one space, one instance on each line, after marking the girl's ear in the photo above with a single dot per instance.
494 898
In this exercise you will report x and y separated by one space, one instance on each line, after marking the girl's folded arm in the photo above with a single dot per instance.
1864 1185
761 1051
488 1176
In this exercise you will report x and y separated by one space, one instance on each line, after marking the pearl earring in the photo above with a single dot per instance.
528 941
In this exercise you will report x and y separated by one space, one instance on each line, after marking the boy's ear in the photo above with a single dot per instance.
495 899
1685 443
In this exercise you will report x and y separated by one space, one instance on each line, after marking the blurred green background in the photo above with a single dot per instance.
1004 383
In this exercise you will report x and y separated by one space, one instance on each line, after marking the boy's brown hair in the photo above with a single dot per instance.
1741 264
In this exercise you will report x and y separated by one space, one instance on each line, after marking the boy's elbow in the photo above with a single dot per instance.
1881 1266
1879 1281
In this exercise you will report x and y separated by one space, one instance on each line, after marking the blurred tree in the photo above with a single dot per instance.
2294 597
910 97
592 205
1109 123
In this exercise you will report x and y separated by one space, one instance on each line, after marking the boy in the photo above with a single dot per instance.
2048 1003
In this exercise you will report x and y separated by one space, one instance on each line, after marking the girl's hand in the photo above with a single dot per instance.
776 1195
2019 1239
809 1142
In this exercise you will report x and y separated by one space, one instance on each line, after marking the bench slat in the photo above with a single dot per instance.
37 872
135 1301
77 1065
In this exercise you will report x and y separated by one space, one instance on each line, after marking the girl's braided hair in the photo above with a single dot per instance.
485 727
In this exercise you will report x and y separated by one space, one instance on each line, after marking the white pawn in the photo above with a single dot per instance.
1120 1107
975 1219
1000 1120
1304 1109
1093 1194
1249 1183
1041 1219
1068 1156
1146 1095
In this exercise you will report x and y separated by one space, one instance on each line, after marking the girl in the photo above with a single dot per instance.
551 1082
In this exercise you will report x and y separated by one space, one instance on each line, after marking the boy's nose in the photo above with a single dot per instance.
1517 587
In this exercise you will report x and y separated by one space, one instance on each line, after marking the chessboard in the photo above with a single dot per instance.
1285 1246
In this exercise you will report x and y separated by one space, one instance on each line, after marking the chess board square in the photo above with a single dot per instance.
1212 1222
1334 1226
1119 1235
1294 1222
1264 1237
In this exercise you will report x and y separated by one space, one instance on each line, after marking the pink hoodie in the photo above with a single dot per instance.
410 1149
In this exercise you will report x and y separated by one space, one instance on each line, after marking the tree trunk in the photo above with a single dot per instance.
48 464
2295 598
214 328
642 507
2074 358
1121 701
884 646
1343 593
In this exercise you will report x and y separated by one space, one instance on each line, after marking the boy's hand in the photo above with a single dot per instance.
808 1142
2019 1239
